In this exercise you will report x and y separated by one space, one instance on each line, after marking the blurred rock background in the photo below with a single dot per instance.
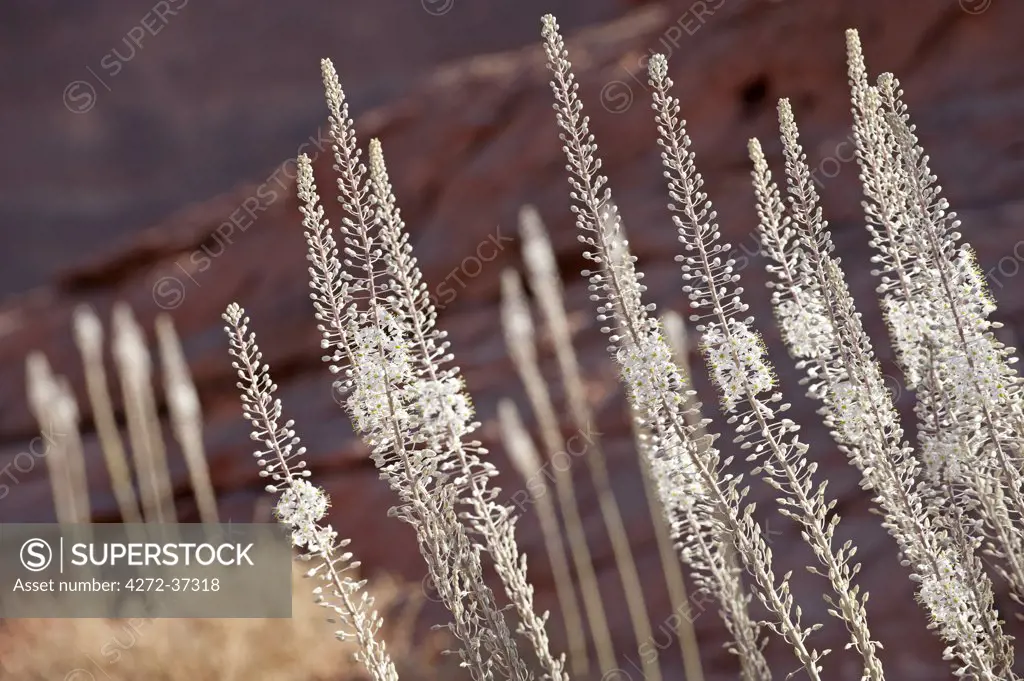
145 160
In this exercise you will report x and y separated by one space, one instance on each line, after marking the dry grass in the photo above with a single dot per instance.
300 649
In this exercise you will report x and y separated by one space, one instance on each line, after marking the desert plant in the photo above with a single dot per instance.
519 338
134 365
186 416
836 352
302 506
524 457
89 339
740 372
380 329
706 501
540 263
166 649
55 408
823 330
970 427
380 333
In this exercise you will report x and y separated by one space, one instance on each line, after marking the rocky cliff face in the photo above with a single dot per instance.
467 145
127 111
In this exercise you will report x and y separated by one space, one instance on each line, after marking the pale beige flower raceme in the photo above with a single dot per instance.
937 538
971 426
691 479
741 370
379 330
858 408
378 323
301 505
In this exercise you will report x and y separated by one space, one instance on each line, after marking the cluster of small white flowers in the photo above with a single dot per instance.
441 405
302 502
649 371
974 375
736 360
970 283
678 480
302 506
381 364
806 326
848 405
947 596
941 455
909 332
967 377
